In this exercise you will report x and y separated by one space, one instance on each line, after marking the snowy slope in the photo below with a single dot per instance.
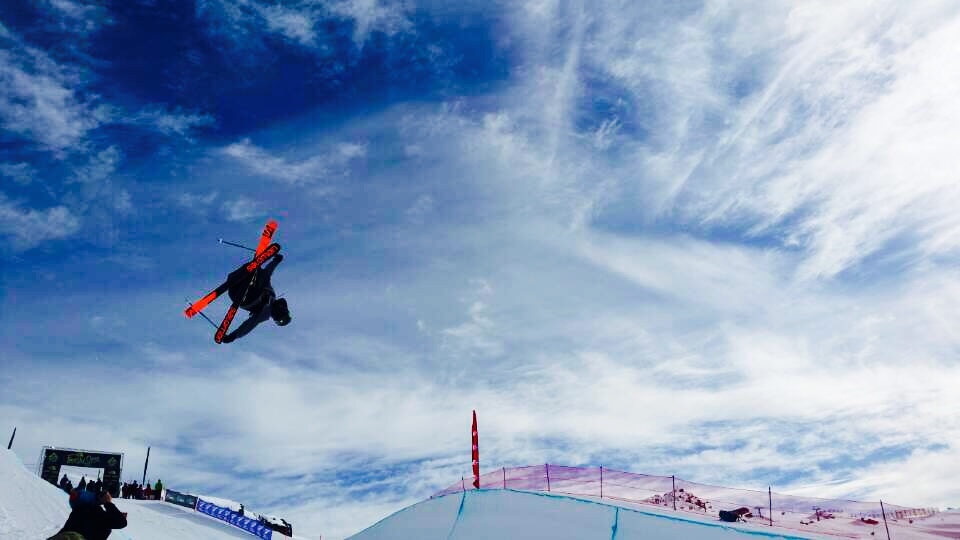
29 506
509 514
32 509
516 514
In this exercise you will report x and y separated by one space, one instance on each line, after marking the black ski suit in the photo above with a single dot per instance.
258 298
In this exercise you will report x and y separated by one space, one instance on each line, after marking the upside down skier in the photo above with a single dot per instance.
259 299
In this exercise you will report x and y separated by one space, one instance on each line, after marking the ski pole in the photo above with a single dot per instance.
222 241
202 314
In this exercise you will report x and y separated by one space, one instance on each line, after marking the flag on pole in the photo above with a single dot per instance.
476 453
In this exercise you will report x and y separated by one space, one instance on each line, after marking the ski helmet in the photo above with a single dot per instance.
279 312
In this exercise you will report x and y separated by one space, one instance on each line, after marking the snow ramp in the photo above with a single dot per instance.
33 509
506 514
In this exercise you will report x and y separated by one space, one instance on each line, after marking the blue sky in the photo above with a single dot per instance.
711 240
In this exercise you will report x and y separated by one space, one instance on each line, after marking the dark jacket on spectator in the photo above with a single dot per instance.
92 520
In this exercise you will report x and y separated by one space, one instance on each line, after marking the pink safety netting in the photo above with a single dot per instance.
659 490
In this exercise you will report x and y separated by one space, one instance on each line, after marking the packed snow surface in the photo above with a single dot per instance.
509 514
499 513
33 509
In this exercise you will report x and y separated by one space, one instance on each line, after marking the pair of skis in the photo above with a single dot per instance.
264 252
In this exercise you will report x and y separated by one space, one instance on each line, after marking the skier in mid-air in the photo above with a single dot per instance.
258 297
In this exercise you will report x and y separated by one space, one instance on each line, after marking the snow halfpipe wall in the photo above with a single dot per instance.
497 513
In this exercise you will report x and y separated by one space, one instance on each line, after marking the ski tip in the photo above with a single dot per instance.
190 312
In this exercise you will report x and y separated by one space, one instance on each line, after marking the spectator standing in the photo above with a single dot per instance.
148 492
83 483
92 517
158 489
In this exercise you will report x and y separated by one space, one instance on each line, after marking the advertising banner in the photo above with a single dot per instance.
181 499
252 526
111 463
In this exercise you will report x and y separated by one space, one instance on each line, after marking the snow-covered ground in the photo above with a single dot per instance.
33 509
497 513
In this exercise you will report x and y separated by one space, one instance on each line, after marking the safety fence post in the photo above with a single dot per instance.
145 463
770 495
463 484
547 465
674 479
884 512
10 444
504 478
601 481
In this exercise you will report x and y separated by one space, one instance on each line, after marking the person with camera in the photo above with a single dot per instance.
92 517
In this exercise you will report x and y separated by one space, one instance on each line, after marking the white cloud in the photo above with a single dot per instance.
168 122
123 202
835 146
295 25
371 16
75 17
806 137
420 208
242 20
38 101
21 173
196 201
307 171
99 168
242 209
29 227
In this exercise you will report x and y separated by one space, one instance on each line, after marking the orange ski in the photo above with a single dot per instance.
264 244
261 258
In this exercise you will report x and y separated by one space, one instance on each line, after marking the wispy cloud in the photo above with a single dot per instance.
195 201
389 17
38 101
175 122
791 138
296 21
295 25
21 173
420 208
77 17
99 167
691 238
306 171
242 209
30 227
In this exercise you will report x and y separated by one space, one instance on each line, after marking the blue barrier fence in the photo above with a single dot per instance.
252 526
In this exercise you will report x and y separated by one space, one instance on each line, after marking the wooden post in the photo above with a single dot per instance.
548 476
770 495
884 512
10 444
674 479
